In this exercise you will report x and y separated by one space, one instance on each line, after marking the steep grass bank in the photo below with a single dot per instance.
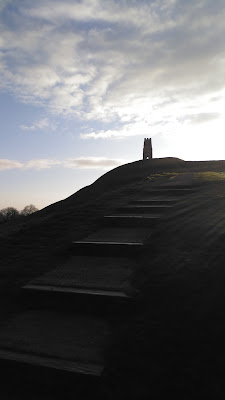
174 339
174 342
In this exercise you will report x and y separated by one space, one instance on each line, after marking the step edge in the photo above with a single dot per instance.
141 216
50 362
97 292
147 206
111 243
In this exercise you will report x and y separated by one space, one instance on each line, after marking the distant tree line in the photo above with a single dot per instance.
11 213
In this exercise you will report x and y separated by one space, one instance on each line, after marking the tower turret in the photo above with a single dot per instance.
147 149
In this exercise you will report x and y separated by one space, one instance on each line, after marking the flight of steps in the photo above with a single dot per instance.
67 327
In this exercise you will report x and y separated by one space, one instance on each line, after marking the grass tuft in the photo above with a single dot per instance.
168 175
209 176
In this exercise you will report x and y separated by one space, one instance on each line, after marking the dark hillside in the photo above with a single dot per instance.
174 340
177 334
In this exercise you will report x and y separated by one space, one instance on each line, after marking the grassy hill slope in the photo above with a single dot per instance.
174 340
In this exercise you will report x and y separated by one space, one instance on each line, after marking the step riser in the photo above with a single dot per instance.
154 202
176 187
131 222
169 192
28 374
144 210
105 249
77 302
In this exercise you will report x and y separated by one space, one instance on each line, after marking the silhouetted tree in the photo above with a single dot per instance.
1 217
9 213
29 210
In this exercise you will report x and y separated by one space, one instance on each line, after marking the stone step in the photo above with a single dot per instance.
83 283
85 300
174 186
54 340
137 220
89 273
168 191
80 291
21 358
150 201
120 234
159 195
106 248
144 209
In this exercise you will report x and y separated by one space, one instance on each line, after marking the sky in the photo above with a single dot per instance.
83 82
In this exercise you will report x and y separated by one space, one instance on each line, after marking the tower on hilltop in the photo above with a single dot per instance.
147 149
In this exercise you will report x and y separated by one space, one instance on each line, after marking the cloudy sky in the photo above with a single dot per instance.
82 82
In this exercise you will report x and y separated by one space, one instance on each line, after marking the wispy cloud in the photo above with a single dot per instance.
127 130
9 164
41 164
202 118
115 61
74 163
41 124
93 163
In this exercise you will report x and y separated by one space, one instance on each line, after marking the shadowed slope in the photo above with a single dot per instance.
42 242
177 331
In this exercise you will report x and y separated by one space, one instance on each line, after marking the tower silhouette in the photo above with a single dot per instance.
147 149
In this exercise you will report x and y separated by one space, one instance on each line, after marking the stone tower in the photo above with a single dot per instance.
147 149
